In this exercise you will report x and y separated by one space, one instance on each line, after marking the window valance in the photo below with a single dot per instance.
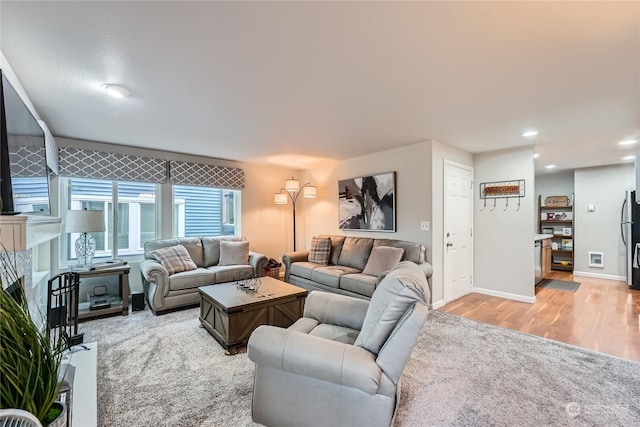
187 173
27 161
75 162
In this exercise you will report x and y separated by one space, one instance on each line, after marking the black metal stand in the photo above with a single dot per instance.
62 308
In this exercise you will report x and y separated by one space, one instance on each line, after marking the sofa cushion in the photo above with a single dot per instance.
414 252
336 248
320 250
234 253
153 245
194 247
403 286
231 273
191 279
359 283
175 259
382 258
330 275
303 269
211 251
355 252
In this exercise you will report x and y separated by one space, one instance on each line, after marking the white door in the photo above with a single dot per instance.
458 233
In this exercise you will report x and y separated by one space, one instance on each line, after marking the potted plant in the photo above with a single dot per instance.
29 360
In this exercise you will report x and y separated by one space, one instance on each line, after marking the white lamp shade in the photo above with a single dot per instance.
85 221
292 185
280 199
309 191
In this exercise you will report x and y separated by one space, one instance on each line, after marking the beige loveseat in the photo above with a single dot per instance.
164 291
345 271
341 363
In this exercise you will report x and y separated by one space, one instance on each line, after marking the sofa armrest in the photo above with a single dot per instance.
291 257
315 357
258 261
336 309
153 271
427 268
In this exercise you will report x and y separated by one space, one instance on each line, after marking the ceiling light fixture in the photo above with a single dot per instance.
631 157
550 166
115 90
628 142
536 155
530 133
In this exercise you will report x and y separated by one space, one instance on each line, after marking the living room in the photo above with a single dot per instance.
256 98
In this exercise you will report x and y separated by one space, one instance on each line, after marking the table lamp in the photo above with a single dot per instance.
84 222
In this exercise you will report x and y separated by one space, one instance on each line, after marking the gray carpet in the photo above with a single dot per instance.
166 371
561 285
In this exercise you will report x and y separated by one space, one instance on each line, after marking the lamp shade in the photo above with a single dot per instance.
292 184
85 221
280 199
309 191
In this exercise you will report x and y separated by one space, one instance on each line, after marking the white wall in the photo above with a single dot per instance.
440 153
15 82
599 231
504 257
555 184
413 194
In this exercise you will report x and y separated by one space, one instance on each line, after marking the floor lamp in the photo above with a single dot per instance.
292 190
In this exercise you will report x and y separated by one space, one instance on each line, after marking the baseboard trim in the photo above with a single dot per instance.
437 305
507 295
599 275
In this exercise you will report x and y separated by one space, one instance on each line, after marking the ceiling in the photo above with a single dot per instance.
294 83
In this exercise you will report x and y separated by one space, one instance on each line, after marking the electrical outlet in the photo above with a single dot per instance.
424 225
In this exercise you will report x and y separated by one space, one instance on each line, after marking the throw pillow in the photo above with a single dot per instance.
320 250
382 258
234 253
175 259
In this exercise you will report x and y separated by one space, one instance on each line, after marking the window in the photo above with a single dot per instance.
134 217
204 211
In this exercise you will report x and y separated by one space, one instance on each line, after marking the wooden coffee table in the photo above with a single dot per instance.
231 314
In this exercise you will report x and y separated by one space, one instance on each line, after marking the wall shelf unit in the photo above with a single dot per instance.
558 220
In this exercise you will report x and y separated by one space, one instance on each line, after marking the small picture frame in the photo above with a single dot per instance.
596 259
567 231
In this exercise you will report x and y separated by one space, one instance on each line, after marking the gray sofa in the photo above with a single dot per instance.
344 272
165 292
341 363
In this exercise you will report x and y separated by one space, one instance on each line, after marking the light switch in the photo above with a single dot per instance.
424 225
591 208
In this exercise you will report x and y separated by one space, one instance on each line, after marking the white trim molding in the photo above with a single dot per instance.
507 295
599 275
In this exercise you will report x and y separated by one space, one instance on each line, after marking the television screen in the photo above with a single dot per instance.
29 174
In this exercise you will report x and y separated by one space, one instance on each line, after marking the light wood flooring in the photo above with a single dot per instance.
602 315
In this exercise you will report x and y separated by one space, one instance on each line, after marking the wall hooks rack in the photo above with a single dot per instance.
502 190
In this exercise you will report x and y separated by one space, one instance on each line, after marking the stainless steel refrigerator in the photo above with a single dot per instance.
630 230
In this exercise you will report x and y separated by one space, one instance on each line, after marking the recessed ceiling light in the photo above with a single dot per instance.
530 133
115 90
550 166
629 141
629 157
536 155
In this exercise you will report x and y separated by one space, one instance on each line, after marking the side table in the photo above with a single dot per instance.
119 304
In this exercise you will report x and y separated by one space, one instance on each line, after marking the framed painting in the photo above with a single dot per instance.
368 203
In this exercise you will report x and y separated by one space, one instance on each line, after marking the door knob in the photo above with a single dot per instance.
449 244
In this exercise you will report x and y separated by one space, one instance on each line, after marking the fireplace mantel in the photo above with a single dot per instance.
22 232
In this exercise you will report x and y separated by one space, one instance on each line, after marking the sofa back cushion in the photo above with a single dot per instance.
152 245
402 287
414 252
320 250
175 259
355 252
193 245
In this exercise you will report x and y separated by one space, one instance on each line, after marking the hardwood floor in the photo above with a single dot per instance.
602 315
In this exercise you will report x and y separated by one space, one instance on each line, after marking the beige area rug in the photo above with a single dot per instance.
167 371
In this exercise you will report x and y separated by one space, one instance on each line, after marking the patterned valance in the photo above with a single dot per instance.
75 162
187 173
27 161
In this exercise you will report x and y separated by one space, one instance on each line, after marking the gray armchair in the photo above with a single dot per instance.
340 364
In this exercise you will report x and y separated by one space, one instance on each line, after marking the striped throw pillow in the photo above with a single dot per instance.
320 250
175 259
